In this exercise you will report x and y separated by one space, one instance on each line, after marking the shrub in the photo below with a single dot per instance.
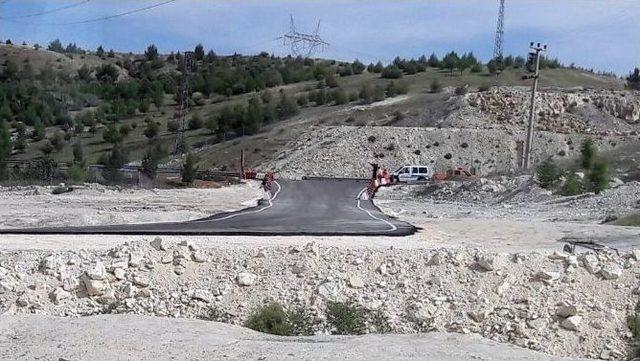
271 319
340 97
173 125
372 139
112 135
476 68
391 72
599 176
78 153
396 88
571 186
113 162
77 173
484 87
189 169
547 173
152 130
346 318
303 99
435 86
211 123
152 158
378 93
461 90
195 122
366 94
587 153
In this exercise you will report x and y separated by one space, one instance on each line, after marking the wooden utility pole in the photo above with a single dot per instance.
242 164
534 66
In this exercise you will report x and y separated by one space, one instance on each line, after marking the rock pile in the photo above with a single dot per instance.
559 303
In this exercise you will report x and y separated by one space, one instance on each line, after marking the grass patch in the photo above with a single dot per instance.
276 320
346 318
630 220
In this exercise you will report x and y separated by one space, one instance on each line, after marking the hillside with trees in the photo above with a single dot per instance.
61 101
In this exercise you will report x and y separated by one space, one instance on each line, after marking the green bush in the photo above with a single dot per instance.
196 122
189 169
435 86
77 173
461 90
587 153
391 72
173 125
346 318
571 186
340 97
271 319
599 176
547 173
476 68
152 130
152 158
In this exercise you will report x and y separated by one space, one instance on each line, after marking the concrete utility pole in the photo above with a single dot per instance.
533 65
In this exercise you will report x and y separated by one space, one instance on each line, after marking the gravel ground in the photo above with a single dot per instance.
38 337
94 204
527 299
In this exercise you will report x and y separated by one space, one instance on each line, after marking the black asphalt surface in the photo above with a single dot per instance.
297 207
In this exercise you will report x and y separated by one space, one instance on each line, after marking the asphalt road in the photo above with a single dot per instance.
296 207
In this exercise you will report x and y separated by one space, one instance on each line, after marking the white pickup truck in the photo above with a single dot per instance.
412 173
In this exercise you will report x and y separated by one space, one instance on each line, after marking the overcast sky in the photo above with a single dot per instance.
601 34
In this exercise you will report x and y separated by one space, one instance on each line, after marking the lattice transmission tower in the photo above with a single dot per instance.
497 45
303 44
188 65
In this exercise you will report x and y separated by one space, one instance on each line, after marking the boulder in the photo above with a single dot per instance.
95 287
157 244
565 311
199 257
59 295
571 323
120 273
98 272
135 259
611 271
356 282
489 262
202 295
547 277
141 280
435 260
246 279
70 283
329 290
591 263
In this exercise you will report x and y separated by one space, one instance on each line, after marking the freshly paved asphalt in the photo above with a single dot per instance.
297 207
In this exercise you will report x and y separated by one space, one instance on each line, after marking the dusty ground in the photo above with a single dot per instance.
430 281
34 337
512 214
94 204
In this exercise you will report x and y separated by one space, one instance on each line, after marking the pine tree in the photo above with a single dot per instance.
189 169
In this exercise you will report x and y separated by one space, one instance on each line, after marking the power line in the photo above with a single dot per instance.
44 12
302 43
103 18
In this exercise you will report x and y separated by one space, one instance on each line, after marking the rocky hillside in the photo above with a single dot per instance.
347 151
479 129
602 112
